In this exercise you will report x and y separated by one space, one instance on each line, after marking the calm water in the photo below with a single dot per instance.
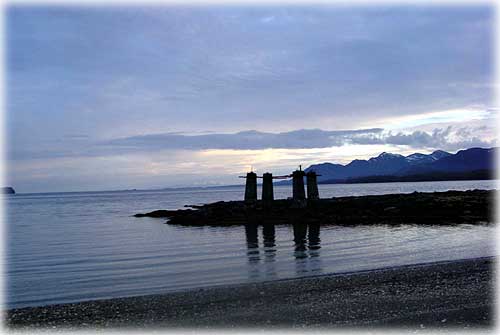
70 247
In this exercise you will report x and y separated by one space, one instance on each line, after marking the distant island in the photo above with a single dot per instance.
468 164
7 190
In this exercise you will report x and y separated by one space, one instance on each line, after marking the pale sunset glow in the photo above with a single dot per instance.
447 116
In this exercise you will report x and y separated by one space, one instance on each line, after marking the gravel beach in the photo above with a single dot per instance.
455 294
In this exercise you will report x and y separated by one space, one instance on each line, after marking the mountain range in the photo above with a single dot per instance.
417 164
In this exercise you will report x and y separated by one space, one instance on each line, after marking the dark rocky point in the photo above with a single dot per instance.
437 208
7 190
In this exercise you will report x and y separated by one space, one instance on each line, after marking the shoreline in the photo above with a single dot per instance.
446 294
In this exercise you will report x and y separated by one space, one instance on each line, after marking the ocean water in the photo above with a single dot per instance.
69 247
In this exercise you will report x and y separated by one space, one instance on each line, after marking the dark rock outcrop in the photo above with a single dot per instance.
438 208
7 190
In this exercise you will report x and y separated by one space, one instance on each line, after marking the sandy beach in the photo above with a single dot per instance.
455 294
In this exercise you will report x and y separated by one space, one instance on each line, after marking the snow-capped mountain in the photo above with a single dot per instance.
418 158
394 164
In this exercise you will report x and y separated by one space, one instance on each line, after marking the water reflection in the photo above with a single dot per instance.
314 240
252 235
269 234
307 250
261 258
300 231
256 269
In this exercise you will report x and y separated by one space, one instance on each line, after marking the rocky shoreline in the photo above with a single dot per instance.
454 295
436 208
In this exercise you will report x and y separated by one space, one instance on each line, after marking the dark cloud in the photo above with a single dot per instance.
245 140
221 67
439 138
448 138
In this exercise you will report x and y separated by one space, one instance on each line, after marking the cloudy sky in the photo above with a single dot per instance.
147 97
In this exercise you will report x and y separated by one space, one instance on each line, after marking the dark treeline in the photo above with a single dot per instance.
432 176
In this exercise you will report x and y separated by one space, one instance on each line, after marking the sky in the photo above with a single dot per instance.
106 98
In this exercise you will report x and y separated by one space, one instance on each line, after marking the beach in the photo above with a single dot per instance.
451 294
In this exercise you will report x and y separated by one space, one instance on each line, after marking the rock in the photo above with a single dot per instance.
438 208
7 190
155 214
390 209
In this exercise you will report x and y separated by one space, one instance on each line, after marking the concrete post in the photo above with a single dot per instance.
312 185
298 185
267 190
251 187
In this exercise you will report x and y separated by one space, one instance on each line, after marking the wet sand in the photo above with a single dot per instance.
455 294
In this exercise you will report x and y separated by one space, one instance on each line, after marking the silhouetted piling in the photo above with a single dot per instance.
267 190
251 187
312 186
298 185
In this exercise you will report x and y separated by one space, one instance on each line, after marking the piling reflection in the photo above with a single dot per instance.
269 234
306 251
262 254
252 236
299 237
254 252
300 231
314 240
